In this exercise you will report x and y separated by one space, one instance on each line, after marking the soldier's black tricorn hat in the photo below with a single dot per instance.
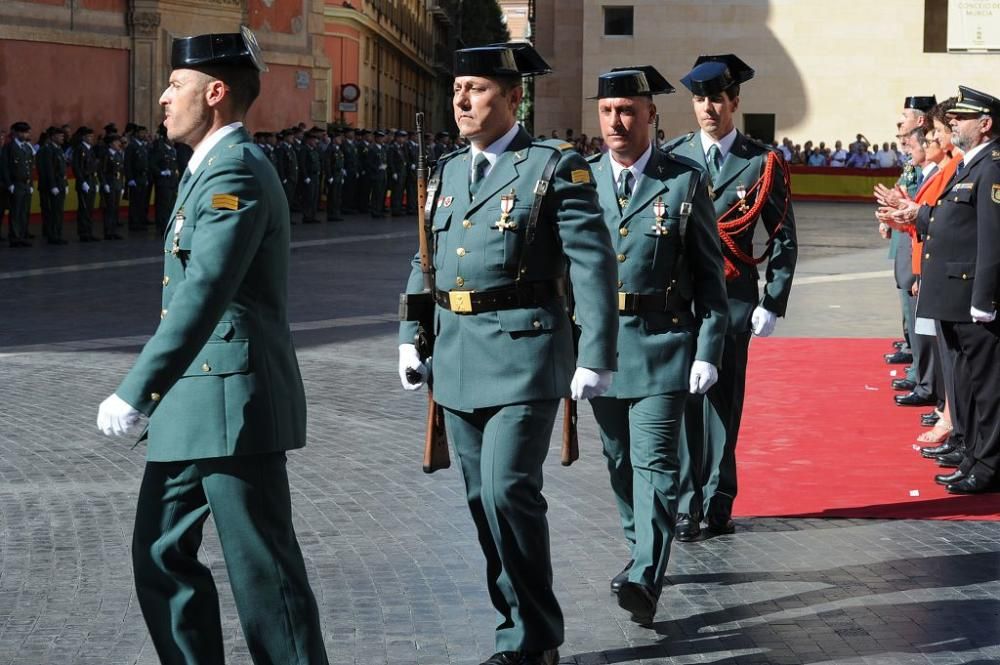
111 138
232 49
713 74
510 59
111 128
378 132
402 132
83 131
976 102
20 126
639 81
441 135
924 104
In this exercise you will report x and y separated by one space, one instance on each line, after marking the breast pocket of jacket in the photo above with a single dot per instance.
226 352
531 321
505 237
439 232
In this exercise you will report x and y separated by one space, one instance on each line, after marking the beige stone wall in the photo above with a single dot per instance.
827 70
515 13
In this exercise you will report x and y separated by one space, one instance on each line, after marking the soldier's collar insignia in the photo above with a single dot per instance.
995 194
446 201
995 155
964 185
210 160
580 176
225 202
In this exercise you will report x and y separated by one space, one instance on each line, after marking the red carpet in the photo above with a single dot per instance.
821 437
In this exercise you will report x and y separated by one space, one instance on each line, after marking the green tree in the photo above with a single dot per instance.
482 23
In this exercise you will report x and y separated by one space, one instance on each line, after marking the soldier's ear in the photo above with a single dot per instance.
516 95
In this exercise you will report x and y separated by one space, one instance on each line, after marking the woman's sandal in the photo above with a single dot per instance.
939 434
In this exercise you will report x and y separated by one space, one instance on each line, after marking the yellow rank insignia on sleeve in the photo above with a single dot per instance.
565 146
225 202
580 175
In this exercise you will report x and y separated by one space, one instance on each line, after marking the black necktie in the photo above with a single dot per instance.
714 161
479 166
624 188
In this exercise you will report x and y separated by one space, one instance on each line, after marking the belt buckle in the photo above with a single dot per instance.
626 302
460 302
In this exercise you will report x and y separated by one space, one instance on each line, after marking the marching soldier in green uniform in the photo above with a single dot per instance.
287 164
163 164
18 159
507 214
672 321
335 173
220 384
137 179
748 181
310 177
52 184
85 169
112 184
377 167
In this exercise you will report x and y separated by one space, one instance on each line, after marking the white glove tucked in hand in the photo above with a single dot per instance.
31 190
979 316
308 180
54 191
107 189
409 361
762 322
588 383
703 376
11 189
85 187
166 173
131 183
116 416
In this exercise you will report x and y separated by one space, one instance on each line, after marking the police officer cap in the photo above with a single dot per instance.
713 74
20 127
510 59
111 128
402 132
441 135
974 101
639 81
378 133
111 138
924 104
233 49
83 131
364 132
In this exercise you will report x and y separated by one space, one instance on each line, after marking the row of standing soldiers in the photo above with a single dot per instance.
111 168
355 169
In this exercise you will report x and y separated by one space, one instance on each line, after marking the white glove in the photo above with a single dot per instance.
55 191
107 189
588 383
395 177
85 187
308 180
116 416
166 173
329 180
285 180
31 190
11 189
343 172
703 376
409 359
131 183
979 316
762 322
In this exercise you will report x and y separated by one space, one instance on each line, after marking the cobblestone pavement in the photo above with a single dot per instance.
391 551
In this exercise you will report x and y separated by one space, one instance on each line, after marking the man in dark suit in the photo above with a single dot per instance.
220 384
960 287
18 160
747 183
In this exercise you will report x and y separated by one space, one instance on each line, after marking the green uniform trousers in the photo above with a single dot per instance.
249 499
711 427
640 437
501 450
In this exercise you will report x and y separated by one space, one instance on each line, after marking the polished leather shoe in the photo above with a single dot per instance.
971 484
721 527
929 420
548 657
930 452
622 577
913 399
903 384
952 459
899 358
949 478
639 601
687 528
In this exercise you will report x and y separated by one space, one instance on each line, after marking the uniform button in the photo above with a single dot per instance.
459 281
621 258
166 280
460 251
927 256
154 396
623 232
536 324
163 313
466 223
620 284
932 218
965 276
205 367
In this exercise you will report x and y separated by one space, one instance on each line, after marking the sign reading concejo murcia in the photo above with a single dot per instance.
973 26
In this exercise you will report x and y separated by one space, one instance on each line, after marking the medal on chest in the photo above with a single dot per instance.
175 249
506 207
659 210
741 192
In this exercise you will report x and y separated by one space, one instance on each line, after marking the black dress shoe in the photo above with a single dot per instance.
913 399
622 577
929 420
949 478
971 484
899 358
721 527
547 657
638 601
687 528
952 459
903 384
930 452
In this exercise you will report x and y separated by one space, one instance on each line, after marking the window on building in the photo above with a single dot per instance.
760 126
368 49
618 21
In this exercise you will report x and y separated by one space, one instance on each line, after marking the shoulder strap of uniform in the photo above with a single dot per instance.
541 188
676 141
435 182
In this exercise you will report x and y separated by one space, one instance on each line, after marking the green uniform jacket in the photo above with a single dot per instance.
654 353
220 377
744 165
518 355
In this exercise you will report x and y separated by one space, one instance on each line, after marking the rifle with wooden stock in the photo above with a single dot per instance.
419 307
570 440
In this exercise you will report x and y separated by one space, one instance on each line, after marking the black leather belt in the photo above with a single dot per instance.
644 303
529 294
